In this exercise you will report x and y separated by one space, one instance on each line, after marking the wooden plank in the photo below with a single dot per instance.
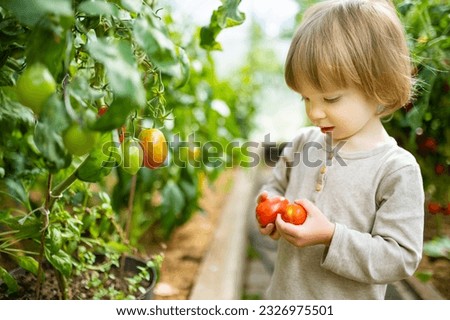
221 272
426 291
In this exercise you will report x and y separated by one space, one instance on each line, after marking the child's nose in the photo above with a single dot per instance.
315 111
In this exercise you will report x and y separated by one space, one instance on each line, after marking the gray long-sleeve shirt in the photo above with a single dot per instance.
376 200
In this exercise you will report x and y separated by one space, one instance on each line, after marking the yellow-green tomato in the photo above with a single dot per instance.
132 156
79 141
35 86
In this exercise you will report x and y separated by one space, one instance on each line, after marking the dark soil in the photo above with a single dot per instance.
86 286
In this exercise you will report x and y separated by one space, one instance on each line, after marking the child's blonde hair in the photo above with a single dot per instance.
359 43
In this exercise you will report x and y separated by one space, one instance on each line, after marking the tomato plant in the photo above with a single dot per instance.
66 61
422 127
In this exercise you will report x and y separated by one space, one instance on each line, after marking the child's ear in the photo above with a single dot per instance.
380 109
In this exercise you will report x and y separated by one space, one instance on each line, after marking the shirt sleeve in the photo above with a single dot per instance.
392 251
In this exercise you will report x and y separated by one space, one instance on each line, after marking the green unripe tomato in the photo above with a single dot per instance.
132 156
35 86
78 140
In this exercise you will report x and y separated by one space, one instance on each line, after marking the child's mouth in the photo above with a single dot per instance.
326 129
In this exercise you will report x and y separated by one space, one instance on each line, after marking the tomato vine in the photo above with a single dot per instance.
122 55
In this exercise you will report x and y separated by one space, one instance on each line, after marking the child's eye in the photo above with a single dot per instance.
331 100
305 99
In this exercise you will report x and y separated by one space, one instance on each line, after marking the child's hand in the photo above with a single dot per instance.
317 229
270 230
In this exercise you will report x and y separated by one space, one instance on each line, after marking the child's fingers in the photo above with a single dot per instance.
305 203
275 235
286 228
270 231
267 230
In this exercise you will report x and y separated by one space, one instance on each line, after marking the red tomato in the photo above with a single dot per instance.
102 110
268 208
446 210
434 207
294 214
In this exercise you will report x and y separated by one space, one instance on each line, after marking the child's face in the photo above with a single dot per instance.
347 113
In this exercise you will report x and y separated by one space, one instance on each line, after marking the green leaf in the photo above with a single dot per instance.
61 261
151 35
97 8
172 205
47 136
29 12
9 280
121 69
132 5
15 113
179 72
117 247
53 239
82 92
116 116
17 190
424 276
226 16
48 43
100 161
28 263
438 247
208 38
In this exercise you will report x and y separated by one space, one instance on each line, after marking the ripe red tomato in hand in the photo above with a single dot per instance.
294 214
268 208
155 148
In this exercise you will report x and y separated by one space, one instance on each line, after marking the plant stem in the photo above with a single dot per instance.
66 183
50 199
129 219
44 229
438 220
62 285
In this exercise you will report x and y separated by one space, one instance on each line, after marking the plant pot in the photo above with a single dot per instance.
132 265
